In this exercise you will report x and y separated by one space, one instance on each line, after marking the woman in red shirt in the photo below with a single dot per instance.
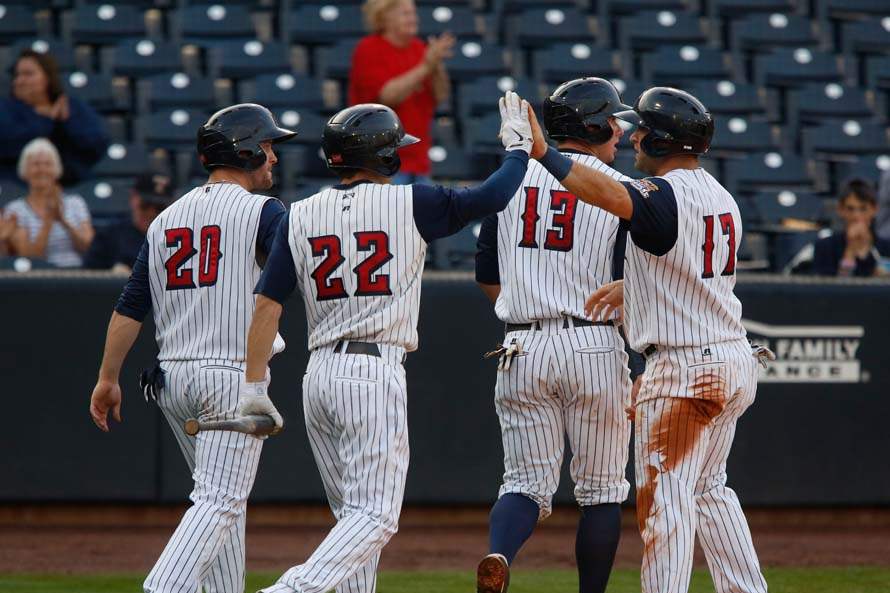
395 67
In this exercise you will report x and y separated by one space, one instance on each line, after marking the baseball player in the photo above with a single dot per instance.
561 374
356 253
195 272
682 314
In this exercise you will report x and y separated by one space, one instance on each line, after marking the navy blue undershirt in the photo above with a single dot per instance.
438 212
653 224
135 300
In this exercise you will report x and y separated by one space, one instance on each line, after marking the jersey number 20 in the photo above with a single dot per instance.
368 283
180 277
727 227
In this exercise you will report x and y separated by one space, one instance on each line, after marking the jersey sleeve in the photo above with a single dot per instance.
270 219
440 211
279 277
135 300
487 271
653 224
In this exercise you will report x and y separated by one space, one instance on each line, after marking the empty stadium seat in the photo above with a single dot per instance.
435 20
865 166
728 97
736 8
850 9
673 65
98 90
308 125
771 170
283 90
97 24
867 37
58 48
774 207
299 161
833 138
105 197
17 22
540 27
877 72
481 133
566 61
787 67
335 61
649 30
177 89
458 251
815 103
741 135
123 160
21 264
141 57
246 59
473 59
451 162
324 24
212 23
481 96
173 129
763 32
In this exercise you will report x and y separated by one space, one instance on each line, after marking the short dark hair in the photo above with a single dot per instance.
50 68
861 189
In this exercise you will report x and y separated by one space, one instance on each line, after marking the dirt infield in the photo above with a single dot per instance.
73 539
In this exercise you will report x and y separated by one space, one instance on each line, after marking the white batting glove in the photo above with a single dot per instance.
516 131
254 401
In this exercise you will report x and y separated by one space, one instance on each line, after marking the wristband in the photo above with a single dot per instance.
556 163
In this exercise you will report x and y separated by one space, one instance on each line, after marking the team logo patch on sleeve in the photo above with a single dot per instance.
644 186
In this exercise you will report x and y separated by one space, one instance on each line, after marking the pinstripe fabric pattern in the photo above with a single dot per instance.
667 301
685 423
207 322
383 319
572 382
356 419
539 283
207 549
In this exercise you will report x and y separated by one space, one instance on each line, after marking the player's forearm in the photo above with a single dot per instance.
399 88
122 332
589 185
261 337
492 291
495 193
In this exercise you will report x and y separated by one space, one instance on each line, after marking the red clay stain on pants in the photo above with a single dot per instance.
675 433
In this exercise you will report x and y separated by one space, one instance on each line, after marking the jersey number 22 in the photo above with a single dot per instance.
368 281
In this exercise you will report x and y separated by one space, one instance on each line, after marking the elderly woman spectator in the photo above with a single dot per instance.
49 225
395 67
39 108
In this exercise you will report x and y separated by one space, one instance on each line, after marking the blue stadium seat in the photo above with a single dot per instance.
649 30
481 134
335 61
105 197
299 161
141 57
736 8
435 20
763 32
815 103
566 61
864 166
850 9
771 170
172 129
788 67
308 124
481 96
833 138
20 264
58 48
729 97
541 27
283 90
177 89
458 251
451 162
473 59
98 24
877 72
674 65
211 23
866 37
17 22
98 90
125 160
517 6
323 24
741 135
11 190
246 59
774 207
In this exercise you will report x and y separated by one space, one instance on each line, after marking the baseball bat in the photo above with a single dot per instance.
259 425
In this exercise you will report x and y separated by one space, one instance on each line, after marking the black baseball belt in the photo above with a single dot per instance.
368 348
566 322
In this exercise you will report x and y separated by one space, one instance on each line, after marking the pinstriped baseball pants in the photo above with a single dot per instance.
686 413
207 549
356 418
571 382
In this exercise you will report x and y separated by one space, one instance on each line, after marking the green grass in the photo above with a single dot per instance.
781 580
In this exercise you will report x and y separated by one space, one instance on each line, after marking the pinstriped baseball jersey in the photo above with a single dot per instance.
685 297
553 250
202 270
359 258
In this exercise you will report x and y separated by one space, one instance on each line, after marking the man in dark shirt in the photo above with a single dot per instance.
116 247
855 251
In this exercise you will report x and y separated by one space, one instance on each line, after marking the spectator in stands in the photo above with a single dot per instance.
39 108
395 67
116 247
856 251
882 225
49 225
7 226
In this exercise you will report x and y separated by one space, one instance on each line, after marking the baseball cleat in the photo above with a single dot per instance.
493 574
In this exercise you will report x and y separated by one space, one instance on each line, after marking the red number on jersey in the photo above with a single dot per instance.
182 238
327 246
208 270
727 227
377 242
562 236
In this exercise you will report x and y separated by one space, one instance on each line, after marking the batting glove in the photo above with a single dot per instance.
254 401
516 131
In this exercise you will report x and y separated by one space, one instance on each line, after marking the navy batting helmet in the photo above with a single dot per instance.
581 108
365 136
678 123
232 137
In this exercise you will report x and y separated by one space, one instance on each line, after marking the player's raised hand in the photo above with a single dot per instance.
516 131
609 297
106 397
539 148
